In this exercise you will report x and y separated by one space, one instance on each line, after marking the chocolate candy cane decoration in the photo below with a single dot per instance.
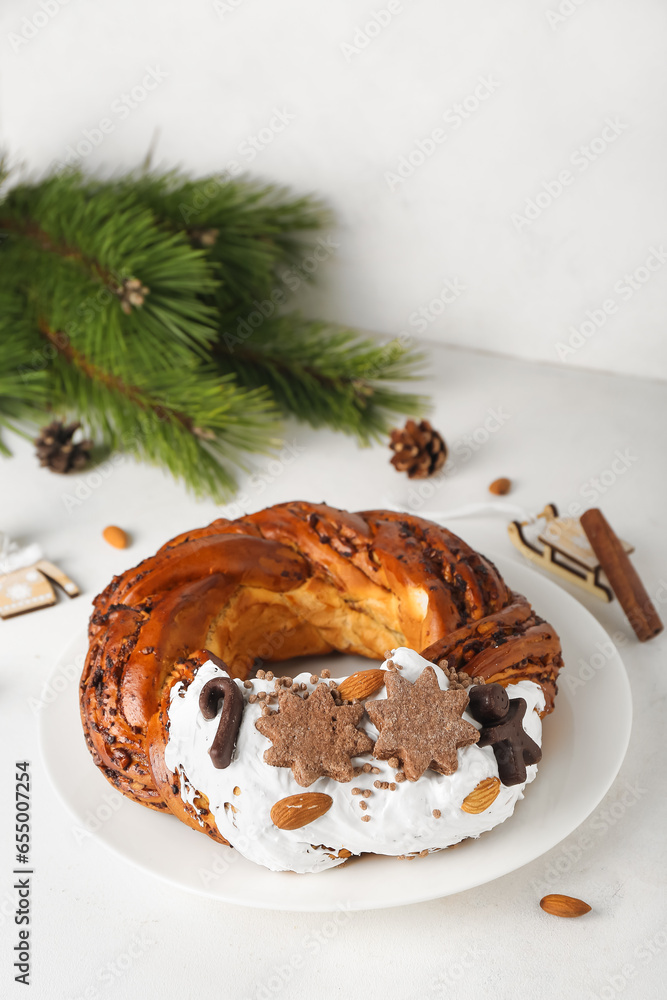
214 691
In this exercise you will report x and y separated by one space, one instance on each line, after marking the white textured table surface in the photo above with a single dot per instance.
512 151
104 929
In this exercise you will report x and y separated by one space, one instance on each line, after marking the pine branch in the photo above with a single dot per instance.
141 427
116 298
132 361
84 242
23 383
189 420
249 229
325 375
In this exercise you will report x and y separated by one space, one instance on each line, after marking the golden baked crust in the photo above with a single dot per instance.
292 580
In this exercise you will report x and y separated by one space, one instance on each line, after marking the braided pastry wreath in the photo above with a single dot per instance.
296 579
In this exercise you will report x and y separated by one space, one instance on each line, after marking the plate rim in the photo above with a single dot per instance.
79 641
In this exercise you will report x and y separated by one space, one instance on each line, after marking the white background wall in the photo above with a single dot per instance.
359 105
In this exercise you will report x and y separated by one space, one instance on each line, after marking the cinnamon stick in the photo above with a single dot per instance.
622 575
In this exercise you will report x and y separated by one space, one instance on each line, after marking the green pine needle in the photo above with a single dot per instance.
23 382
117 298
326 375
255 227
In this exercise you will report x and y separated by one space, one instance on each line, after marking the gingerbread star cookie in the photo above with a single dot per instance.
421 724
314 736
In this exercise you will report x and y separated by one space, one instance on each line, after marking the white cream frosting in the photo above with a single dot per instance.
401 821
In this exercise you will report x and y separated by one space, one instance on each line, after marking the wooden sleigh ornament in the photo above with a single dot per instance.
565 551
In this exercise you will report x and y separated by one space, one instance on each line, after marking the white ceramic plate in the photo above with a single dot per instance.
585 741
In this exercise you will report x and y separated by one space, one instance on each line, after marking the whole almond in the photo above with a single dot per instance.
500 486
361 685
481 796
298 810
564 906
115 536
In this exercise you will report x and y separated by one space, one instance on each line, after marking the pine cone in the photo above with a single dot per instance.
57 451
419 449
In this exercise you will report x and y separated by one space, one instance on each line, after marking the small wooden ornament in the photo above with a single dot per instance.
565 552
30 588
24 590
